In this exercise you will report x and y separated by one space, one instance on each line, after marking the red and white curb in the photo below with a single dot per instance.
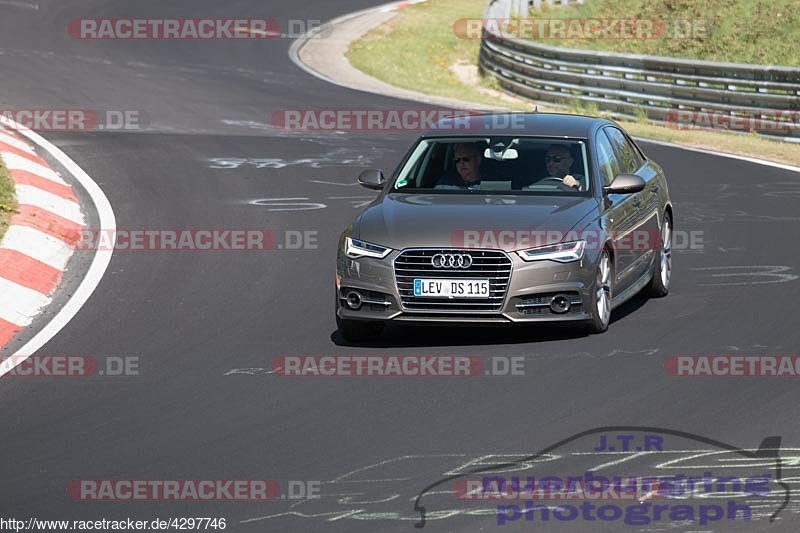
39 242
41 238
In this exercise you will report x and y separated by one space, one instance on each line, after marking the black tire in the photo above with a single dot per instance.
659 283
604 280
359 330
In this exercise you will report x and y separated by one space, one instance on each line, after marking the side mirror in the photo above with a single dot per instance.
372 179
625 184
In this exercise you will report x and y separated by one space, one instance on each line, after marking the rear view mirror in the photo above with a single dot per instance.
372 179
500 152
625 184
505 155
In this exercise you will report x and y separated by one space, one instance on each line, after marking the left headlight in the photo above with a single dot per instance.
563 253
355 249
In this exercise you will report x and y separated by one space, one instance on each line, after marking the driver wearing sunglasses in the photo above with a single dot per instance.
559 162
467 159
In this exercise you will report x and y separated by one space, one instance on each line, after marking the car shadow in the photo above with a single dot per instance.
629 307
407 335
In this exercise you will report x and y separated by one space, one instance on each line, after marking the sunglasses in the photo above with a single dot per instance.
465 159
555 158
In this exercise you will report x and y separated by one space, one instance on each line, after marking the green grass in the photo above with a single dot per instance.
764 32
415 49
8 201
579 107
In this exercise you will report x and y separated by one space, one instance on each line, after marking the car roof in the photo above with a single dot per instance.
535 124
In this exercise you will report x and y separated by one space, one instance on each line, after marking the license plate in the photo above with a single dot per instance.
452 288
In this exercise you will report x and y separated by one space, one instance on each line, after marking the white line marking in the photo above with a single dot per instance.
334 183
341 478
102 258
21 5
255 31
349 197
287 204
251 371
19 304
5 138
619 461
334 515
767 271
17 162
30 195
38 245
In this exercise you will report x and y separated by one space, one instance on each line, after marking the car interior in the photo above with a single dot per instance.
525 172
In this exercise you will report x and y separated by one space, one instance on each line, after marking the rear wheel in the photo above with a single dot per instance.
600 312
662 266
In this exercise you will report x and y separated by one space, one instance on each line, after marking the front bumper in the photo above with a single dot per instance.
531 287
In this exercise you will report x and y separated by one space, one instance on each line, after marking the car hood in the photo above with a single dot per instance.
443 220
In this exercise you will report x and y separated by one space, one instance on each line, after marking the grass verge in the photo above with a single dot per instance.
8 201
419 50
762 32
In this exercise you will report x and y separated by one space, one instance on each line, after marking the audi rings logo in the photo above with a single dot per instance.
451 261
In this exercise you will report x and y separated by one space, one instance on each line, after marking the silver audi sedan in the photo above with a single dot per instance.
507 219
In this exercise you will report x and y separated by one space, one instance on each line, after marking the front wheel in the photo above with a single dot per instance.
358 330
600 312
662 266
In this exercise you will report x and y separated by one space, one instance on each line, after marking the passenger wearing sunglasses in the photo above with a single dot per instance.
559 162
468 159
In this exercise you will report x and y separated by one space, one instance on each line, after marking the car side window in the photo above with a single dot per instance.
628 156
607 159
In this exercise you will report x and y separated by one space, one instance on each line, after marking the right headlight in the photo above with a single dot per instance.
564 252
355 248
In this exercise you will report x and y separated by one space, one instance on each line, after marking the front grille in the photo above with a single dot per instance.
492 265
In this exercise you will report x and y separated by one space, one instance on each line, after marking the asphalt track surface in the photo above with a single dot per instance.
191 317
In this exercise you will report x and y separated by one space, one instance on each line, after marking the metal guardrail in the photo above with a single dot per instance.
521 7
764 98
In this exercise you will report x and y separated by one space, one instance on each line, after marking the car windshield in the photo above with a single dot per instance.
496 165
